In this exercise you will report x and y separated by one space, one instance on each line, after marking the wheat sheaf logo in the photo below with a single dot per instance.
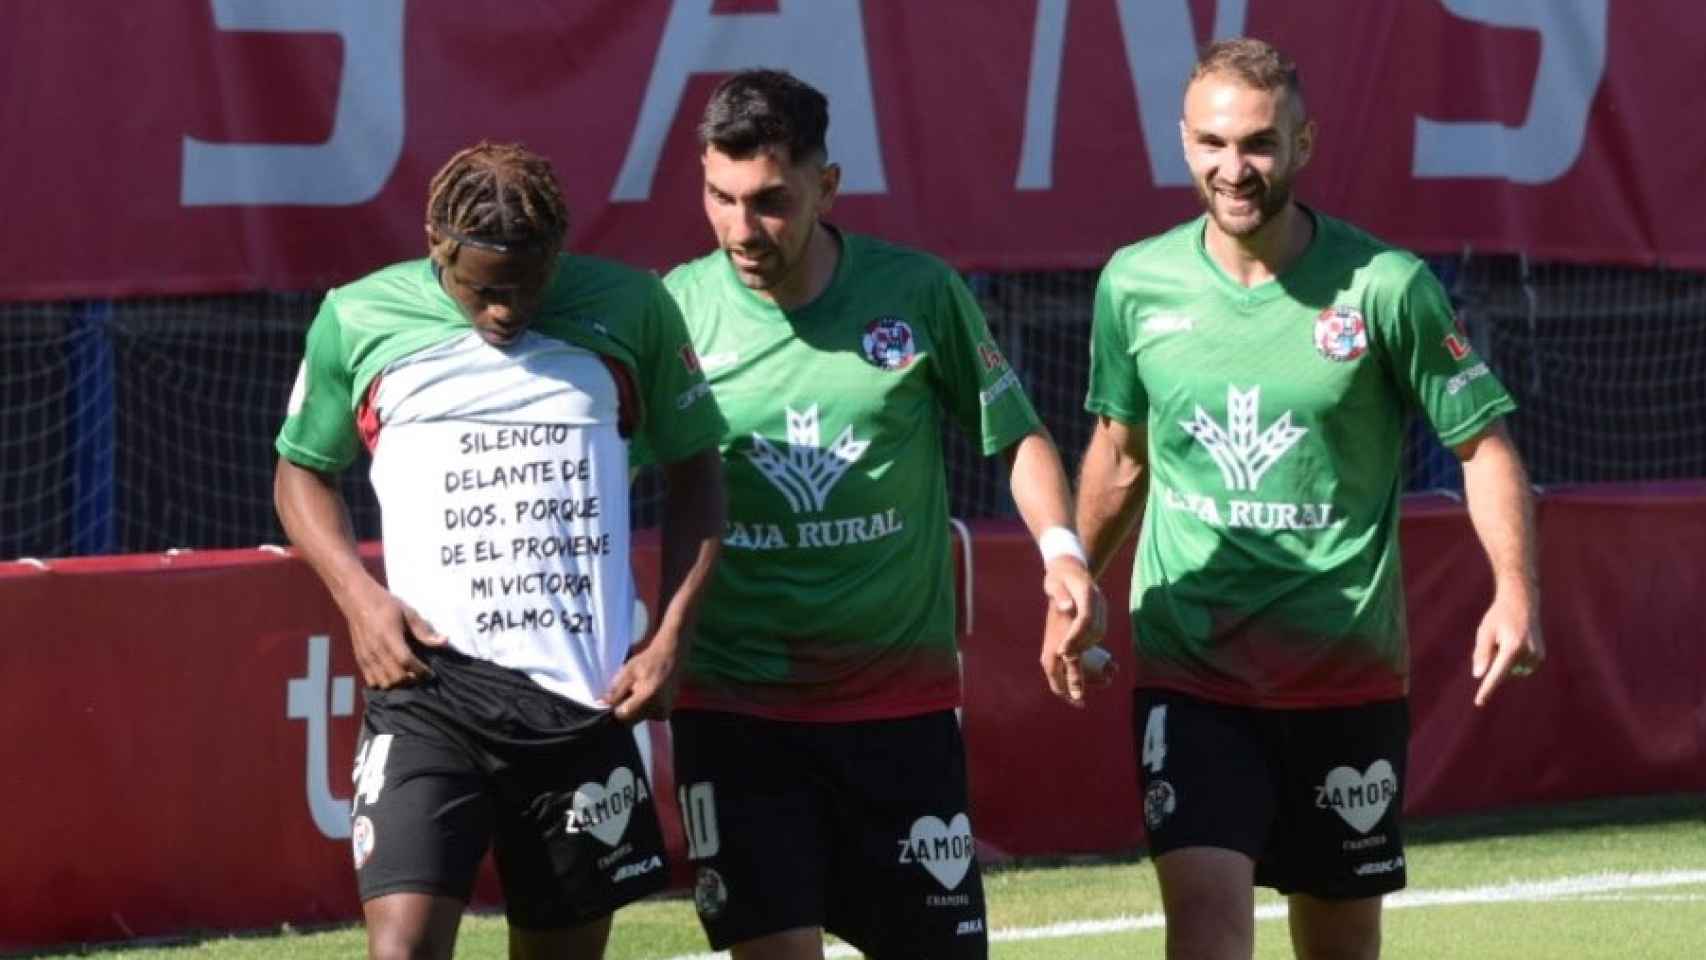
1242 454
805 472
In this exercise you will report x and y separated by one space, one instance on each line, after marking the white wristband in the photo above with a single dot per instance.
1061 542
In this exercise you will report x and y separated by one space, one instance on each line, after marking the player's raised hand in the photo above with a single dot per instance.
1508 643
380 628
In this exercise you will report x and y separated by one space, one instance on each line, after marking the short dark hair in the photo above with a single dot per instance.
1256 63
500 196
758 110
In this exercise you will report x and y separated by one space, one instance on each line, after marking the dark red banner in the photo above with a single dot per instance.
228 145
179 729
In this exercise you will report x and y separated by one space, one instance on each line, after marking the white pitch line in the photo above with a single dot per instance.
1645 898
1579 887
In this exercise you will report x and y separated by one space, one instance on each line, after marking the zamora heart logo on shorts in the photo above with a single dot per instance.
603 809
944 849
1360 799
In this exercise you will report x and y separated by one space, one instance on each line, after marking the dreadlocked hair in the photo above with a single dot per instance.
497 195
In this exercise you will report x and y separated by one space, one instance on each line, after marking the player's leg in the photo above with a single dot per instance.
905 880
1208 898
583 942
420 822
1335 929
1342 850
753 809
577 836
1209 801
412 926
800 943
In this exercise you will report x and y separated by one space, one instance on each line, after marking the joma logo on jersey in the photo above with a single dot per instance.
1242 454
804 472
1159 323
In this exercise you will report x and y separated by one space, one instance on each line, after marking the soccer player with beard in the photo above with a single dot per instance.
1252 370
818 758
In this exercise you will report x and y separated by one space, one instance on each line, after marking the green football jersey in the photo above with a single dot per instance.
833 599
502 472
1268 567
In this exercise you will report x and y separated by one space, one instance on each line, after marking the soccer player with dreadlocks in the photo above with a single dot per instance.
503 388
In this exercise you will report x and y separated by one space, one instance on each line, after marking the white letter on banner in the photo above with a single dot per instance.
1572 63
1160 48
367 127
820 41
305 699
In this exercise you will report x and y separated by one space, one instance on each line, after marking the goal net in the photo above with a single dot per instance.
146 425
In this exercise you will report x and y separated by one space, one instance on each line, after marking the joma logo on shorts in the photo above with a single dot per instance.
969 926
1379 866
639 868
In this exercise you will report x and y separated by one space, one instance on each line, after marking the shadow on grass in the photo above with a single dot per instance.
1507 822
1555 818
262 939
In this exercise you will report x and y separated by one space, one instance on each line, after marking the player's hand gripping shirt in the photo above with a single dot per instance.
1268 566
833 598
502 472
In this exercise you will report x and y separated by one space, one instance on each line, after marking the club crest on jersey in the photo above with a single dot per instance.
888 343
1341 334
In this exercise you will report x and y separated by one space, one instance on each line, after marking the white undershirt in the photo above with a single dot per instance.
503 482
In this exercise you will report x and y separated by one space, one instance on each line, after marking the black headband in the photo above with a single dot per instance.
492 245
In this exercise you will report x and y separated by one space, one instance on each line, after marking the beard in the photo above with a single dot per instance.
1269 200
758 269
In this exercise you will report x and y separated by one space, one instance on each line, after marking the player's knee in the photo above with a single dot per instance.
1209 927
400 943
584 942
1200 935
411 927
1335 930
799 943
1368 950
1207 895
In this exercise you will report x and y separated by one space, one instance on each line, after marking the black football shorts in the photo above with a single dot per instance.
479 756
1313 795
857 827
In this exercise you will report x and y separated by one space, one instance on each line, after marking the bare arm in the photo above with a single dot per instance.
1112 482
316 519
1077 615
1501 508
692 534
